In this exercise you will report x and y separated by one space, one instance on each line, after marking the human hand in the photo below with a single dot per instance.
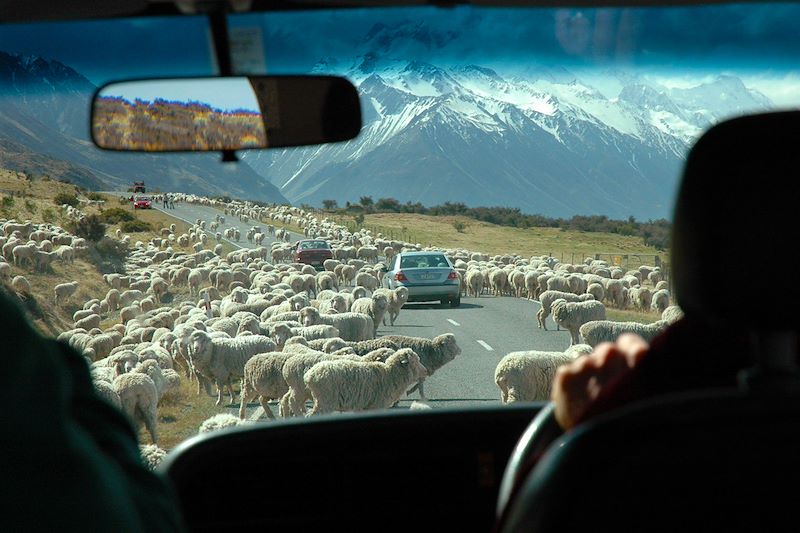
579 383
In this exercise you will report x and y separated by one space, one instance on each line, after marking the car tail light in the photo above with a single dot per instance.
400 277
452 275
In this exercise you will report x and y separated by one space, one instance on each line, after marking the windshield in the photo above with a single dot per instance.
534 150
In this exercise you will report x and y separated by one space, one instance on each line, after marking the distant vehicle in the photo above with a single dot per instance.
142 202
428 276
138 186
312 252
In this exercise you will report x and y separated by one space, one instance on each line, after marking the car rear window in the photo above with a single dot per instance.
313 245
424 261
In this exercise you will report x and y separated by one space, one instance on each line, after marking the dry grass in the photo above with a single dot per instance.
568 246
180 416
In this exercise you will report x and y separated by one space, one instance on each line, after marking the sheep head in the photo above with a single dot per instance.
309 316
447 346
281 334
408 358
380 303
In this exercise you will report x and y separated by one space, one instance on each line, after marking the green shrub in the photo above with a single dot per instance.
90 228
108 255
48 215
115 215
30 206
459 226
8 201
94 196
65 198
135 226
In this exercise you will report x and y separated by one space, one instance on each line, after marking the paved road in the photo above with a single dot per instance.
486 329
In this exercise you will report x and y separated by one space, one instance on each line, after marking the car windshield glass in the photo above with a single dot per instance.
533 149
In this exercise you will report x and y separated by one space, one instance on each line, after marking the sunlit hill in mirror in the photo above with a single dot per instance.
163 125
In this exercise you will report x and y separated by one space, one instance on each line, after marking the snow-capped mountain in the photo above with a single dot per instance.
534 137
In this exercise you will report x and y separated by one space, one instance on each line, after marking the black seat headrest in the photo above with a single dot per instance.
736 221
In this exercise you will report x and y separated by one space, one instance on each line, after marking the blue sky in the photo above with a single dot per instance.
220 93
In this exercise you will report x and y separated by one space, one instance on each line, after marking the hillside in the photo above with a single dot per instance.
24 199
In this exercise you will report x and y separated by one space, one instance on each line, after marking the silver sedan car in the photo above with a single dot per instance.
428 276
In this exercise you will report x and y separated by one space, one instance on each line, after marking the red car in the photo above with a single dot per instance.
142 202
312 252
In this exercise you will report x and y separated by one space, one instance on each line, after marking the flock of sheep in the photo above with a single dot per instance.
285 332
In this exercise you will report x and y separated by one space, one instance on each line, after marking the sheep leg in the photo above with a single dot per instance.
149 418
244 398
422 390
284 410
297 403
264 405
230 391
220 389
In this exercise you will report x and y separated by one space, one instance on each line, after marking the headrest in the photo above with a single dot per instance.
735 224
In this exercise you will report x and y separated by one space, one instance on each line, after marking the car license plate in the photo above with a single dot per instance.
427 276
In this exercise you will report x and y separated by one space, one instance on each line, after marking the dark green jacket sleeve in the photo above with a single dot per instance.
69 461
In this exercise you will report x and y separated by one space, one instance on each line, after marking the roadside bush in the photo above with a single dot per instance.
65 198
90 228
116 215
135 226
49 216
108 255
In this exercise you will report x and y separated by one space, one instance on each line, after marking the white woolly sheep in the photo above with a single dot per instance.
351 326
671 314
263 377
151 455
139 400
222 360
397 299
434 353
660 300
527 376
64 290
293 402
572 315
547 298
345 385
218 422
475 282
375 306
21 286
595 332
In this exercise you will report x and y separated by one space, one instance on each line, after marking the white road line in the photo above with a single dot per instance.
488 348
453 322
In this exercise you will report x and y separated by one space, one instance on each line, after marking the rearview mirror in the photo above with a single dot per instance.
224 113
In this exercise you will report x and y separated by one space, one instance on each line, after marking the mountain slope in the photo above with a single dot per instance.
44 112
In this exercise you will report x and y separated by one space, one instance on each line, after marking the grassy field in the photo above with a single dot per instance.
474 235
